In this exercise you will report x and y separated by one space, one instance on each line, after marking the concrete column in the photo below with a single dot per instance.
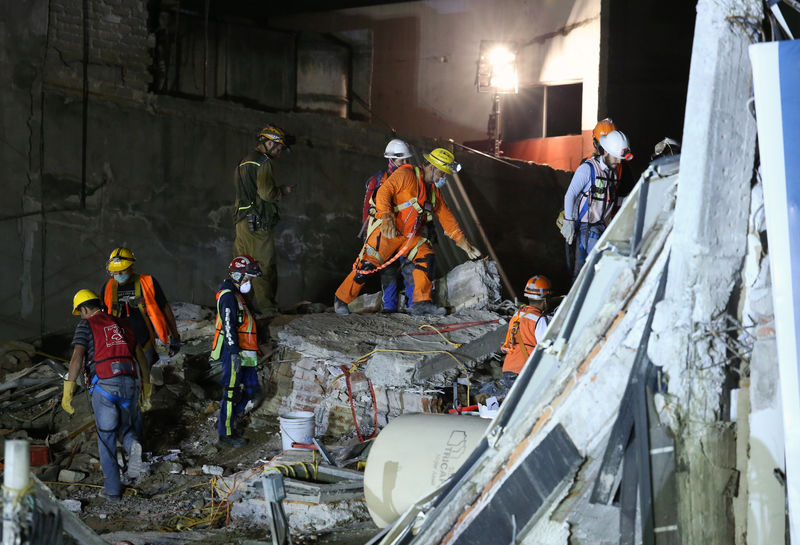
707 248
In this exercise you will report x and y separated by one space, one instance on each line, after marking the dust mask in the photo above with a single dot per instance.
122 278
245 287
440 182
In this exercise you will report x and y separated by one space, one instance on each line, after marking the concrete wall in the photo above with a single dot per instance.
158 177
426 55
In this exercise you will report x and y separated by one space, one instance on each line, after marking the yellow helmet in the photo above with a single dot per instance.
120 259
274 133
443 160
81 297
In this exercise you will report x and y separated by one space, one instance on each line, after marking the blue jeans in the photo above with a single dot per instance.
586 240
390 282
509 378
115 423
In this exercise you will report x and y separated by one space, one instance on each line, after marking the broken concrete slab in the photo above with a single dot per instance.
471 285
69 476
389 349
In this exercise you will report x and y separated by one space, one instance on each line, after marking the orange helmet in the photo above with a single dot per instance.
538 287
603 127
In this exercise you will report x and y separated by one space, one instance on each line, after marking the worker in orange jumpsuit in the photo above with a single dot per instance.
405 206
526 327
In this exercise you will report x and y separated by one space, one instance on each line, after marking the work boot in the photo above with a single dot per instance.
340 307
135 464
231 441
422 308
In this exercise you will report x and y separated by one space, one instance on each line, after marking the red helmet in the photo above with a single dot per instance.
538 287
243 265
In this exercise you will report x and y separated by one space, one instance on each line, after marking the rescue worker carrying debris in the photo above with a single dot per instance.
526 327
398 153
405 205
139 299
591 197
118 377
236 347
256 212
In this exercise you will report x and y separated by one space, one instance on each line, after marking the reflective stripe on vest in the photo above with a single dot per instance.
113 346
145 294
246 331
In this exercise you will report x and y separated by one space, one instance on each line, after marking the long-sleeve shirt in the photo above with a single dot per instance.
255 185
228 314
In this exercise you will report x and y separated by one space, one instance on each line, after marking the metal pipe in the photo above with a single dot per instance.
473 150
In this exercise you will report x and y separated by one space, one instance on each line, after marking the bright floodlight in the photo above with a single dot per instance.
497 69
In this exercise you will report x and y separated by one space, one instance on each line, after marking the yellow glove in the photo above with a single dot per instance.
388 229
144 400
471 251
66 397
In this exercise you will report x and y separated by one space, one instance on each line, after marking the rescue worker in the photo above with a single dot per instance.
255 213
526 327
397 153
118 377
236 347
591 197
140 300
405 206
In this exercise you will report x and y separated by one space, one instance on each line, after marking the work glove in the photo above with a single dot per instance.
144 399
66 397
388 229
174 346
568 230
471 251
236 362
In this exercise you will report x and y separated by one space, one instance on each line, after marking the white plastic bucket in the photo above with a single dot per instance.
296 427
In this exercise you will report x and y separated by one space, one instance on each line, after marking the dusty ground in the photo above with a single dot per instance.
176 502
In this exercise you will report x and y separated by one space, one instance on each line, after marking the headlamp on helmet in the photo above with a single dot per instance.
119 260
444 160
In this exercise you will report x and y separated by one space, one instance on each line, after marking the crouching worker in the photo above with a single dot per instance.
236 347
405 206
526 327
116 371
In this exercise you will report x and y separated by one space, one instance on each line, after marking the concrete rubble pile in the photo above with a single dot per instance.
398 360
396 364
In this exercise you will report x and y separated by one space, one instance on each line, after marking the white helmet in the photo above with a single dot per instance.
616 143
397 149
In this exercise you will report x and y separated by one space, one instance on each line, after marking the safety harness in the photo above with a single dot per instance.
514 336
144 300
421 213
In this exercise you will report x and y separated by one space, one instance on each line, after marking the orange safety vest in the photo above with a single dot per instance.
144 300
520 338
246 332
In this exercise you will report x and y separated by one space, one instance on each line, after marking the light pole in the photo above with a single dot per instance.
497 73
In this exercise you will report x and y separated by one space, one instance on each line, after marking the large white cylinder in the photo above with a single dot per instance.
412 456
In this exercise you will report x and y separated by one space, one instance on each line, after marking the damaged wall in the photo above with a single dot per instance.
158 178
